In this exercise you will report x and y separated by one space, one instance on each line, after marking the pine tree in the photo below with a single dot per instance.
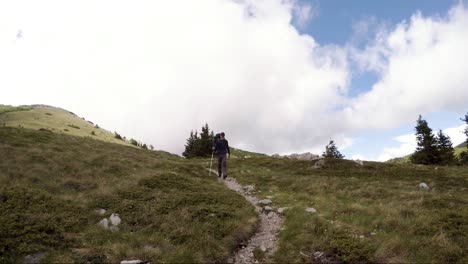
190 146
331 151
466 128
426 150
445 149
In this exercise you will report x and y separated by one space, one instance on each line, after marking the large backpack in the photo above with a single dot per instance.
216 138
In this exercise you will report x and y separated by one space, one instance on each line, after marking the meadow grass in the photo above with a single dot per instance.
51 185
370 213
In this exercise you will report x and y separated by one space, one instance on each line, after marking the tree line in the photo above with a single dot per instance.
436 149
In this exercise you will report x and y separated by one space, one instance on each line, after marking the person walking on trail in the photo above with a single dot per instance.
221 148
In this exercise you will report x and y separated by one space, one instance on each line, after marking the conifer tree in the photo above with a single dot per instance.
426 150
331 151
445 148
466 128
190 146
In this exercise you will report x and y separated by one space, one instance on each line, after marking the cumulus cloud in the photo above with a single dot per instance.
422 64
154 70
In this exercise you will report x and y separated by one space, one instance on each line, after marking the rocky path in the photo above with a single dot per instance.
265 239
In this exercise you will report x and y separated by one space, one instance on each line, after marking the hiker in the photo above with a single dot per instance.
221 148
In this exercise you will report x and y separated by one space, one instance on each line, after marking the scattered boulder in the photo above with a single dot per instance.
424 186
104 223
265 202
318 164
34 258
311 210
115 219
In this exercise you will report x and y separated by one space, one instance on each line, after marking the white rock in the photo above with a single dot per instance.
132 261
248 188
104 223
282 209
318 164
263 248
265 201
318 254
424 186
269 197
311 210
267 209
115 219
270 215
373 234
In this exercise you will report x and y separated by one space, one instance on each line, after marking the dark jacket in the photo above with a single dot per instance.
222 147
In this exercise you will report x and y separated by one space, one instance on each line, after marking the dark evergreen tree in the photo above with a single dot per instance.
445 149
331 151
426 151
199 145
190 146
466 128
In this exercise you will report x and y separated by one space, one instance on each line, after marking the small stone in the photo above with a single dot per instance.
318 254
263 248
361 236
267 209
104 223
270 215
373 234
100 211
115 219
34 258
212 215
318 164
132 261
269 197
424 186
248 188
311 210
265 201
360 162
282 209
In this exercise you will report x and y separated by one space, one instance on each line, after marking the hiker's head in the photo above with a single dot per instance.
221 135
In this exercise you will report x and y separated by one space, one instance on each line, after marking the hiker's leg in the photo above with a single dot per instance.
224 165
220 161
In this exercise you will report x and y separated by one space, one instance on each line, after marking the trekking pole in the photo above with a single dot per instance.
211 162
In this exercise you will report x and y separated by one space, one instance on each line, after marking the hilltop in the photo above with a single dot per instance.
55 120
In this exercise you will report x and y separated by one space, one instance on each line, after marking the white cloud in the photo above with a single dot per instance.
422 64
303 13
154 70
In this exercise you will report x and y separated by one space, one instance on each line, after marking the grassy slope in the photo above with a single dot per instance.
56 120
238 153
406 159
410 225
51 184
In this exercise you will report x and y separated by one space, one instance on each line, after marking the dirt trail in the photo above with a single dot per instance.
266 236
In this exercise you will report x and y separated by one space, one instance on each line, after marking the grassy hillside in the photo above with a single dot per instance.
238 153
51 185
370 213
54 119
406 159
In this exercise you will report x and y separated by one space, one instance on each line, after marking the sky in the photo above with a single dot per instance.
277 76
